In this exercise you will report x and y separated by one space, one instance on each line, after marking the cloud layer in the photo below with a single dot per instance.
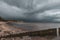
31 10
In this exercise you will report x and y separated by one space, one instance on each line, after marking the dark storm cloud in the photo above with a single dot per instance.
39 10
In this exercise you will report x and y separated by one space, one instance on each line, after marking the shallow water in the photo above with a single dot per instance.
36 26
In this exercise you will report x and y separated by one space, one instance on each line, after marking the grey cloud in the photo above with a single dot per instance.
10 11
39 10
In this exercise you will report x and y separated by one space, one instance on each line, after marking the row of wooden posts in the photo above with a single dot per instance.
47 32
41 33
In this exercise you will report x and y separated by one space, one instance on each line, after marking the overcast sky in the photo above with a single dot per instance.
31 10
